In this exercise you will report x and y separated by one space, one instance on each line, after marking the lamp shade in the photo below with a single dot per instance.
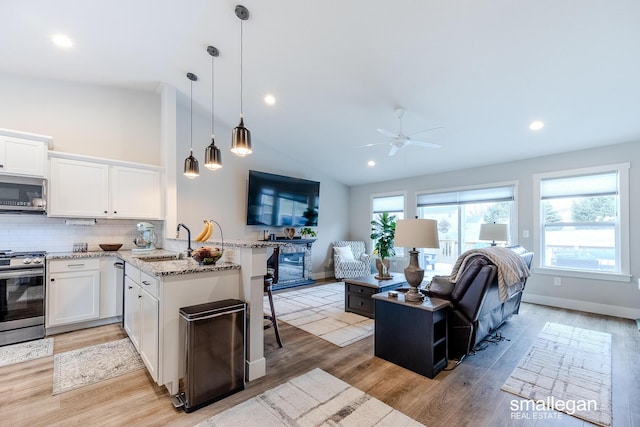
499 232
212 156
241 140
417 233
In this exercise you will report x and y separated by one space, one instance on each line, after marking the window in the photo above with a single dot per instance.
392 203
460 213
583 218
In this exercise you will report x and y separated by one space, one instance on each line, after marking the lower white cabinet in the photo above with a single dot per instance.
73 291
141 316
111 275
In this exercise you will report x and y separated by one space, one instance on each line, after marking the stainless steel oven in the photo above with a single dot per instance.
22 295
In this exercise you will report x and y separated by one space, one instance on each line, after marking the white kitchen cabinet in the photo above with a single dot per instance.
111 287
78 188
141 310
73 292
96 188
23 154
135 193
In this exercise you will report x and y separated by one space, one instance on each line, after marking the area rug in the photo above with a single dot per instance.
567 369
89 365
319 310
313 399
24 351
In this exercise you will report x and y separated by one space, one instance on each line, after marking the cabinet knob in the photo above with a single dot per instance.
1 166
115 212
129 287
139 296
106 211
53 280
361 303
146 283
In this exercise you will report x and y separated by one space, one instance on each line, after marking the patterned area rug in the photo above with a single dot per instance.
568 369
22 352
319 310
89 365
313 399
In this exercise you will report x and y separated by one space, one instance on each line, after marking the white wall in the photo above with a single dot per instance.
94 120
613 298
222 195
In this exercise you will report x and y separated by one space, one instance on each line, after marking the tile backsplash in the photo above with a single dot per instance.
33 232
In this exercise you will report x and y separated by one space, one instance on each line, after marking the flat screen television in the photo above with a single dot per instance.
276 200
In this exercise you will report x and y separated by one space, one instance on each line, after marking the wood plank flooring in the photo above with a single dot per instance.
468 395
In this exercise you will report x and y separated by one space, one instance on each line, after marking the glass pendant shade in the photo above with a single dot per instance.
241 140
191 169
212 156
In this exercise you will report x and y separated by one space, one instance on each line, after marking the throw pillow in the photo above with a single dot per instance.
344 252
440 287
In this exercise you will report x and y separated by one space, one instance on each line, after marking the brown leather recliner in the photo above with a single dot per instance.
477 310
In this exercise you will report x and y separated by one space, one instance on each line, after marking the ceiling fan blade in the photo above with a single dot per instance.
393 150
388 133
372 144
423 143
432 131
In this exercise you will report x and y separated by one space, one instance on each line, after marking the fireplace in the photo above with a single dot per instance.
291 264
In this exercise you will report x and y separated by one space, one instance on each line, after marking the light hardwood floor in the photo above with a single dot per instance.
469 395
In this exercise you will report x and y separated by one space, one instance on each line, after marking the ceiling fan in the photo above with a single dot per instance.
400 140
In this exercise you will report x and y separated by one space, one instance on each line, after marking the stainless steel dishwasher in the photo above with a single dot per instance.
214 352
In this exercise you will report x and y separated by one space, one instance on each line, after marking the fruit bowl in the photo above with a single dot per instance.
207 255
109 247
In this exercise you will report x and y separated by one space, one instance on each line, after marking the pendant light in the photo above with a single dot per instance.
241 137
212 154
191 163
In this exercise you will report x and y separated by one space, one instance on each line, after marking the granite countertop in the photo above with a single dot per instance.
171 267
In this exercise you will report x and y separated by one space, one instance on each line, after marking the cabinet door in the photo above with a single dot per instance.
73 297
22 156
78 189
149 332
111 278
132 311
135 193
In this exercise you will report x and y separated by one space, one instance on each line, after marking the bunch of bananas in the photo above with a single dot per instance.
206 232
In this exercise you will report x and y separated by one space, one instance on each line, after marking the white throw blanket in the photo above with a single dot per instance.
511 267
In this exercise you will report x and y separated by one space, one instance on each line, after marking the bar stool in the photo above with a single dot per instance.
268 283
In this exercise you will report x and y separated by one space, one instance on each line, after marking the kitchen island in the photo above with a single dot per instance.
154 292
176 283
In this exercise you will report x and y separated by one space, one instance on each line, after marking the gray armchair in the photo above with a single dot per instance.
350 259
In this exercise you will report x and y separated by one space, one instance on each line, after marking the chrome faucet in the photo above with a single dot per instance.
189 250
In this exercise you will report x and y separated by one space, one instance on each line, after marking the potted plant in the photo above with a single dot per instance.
383 230
307 233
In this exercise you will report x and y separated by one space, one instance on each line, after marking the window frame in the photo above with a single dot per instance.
621 229
513 223
403 194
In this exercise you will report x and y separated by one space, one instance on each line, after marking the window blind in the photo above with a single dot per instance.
604 184
388 204
478 195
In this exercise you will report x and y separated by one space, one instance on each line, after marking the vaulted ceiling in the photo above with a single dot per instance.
482 70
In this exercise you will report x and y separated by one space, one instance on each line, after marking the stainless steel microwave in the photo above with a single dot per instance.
23 195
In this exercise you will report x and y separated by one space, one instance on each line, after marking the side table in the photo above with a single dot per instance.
358 291
411 334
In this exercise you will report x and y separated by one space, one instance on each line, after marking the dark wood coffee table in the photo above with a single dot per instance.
358 291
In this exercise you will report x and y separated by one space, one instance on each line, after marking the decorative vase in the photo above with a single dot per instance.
383 265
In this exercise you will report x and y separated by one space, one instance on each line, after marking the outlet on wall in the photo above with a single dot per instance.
525 234
557 281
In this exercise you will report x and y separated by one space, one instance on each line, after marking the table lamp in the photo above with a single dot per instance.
493 232
415 233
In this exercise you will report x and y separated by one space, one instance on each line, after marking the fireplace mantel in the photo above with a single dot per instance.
291 263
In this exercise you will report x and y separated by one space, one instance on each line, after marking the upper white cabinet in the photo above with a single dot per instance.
80 187
23 153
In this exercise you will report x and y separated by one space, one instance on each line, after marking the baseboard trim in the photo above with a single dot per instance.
589 307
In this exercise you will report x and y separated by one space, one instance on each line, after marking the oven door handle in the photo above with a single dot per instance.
21 273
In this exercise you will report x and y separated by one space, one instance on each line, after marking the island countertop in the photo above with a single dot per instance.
169 267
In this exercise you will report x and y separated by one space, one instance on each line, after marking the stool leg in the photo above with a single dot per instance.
273 317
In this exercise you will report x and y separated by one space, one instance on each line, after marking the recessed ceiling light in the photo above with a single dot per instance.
61 40
371 163
536 125
269 99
